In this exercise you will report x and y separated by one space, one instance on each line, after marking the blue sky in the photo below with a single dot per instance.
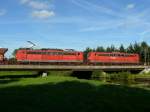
73 23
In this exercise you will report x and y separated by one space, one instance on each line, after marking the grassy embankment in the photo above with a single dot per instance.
95 74
15 73
119 76
68 94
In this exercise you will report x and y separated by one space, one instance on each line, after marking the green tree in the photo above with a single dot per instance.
130 49
148 56
100 49
87 50
121 48
144 52
137 48
108 49
112 48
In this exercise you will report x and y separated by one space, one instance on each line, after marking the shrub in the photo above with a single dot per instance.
121 76
98 74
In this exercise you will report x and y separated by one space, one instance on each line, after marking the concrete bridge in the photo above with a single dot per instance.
75 68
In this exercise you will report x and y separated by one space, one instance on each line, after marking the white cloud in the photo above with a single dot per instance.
144 32
85 4
42 14
35 4
130 6
25 1
38 5
2 12
39 9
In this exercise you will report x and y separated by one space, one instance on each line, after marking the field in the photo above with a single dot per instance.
68 94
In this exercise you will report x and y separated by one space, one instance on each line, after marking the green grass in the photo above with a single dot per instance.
67 94
142 75
8 73
119 76
27 73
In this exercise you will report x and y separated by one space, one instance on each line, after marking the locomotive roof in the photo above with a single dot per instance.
49 49
41 49
114 53
3 50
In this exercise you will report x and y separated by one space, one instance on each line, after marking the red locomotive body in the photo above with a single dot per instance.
2 52
48 55
113 58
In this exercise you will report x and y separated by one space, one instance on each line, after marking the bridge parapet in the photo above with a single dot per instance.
66 67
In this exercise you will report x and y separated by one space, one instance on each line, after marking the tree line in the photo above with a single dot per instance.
143 49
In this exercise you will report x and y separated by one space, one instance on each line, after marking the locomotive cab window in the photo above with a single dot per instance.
119 55
122 55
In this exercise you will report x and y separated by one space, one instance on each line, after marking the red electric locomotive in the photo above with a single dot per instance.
49 56
113 58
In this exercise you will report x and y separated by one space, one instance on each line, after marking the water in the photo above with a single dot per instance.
130 82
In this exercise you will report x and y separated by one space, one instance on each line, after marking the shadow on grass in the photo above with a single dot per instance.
73 96
82 74
6 81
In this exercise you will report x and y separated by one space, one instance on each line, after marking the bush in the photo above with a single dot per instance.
98 74
121 76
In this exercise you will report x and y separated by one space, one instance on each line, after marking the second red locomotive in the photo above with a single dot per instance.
113 58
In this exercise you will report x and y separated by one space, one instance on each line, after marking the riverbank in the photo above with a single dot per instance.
63 93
